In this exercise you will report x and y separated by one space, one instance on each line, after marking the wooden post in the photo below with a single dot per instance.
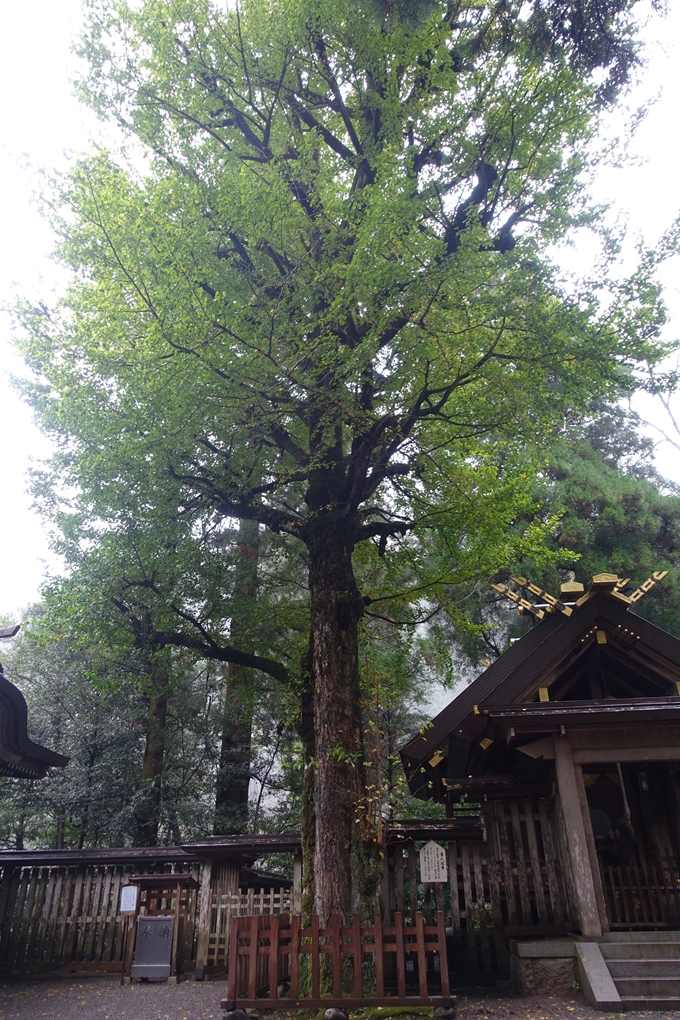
412 880
385 888
296 905
204 918
577 845
379 957
175 965
252 958
294 956
592 849
273 955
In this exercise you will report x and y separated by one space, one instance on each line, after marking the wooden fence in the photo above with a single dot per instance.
510 885
643 896
60 918
64 916
274 954
226 905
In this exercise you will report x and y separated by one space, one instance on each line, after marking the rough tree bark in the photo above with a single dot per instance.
233 777
148 810
307 813
336 607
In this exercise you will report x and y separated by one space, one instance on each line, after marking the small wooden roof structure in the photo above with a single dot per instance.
589 665
20 757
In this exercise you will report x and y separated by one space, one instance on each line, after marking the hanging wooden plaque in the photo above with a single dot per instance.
433 863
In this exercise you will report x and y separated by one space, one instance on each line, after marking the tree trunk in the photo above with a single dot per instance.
233 776
308 816
61 819
336 608
148 812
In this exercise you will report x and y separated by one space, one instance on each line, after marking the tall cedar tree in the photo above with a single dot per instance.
325 300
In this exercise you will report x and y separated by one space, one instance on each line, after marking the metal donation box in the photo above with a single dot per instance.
153 951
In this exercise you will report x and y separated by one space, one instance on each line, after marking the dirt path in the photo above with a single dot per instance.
105 999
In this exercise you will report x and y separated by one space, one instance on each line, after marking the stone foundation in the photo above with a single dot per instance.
543 967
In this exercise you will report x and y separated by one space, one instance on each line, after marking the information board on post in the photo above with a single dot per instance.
433 863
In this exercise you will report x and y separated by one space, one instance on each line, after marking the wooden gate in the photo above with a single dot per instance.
220 908
268 952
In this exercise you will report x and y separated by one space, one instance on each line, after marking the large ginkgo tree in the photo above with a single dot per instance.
321 302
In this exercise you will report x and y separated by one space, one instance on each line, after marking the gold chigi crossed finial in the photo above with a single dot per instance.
611 583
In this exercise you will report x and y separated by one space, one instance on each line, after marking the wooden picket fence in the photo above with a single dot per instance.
226 905
60 918
65 918
270 953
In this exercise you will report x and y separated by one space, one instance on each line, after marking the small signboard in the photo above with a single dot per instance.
153 950
129 894
433 863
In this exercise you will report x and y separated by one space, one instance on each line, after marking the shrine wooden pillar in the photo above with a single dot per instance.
204 916
577 841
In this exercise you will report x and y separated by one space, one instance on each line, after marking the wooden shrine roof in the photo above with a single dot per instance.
644 658
97 855
19 755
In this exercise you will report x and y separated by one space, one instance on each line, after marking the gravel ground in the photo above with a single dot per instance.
105 999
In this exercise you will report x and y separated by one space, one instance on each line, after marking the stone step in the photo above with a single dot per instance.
644 968
640 950
633 1003
648 987
668 935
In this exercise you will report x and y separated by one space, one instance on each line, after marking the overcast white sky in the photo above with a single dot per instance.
40 124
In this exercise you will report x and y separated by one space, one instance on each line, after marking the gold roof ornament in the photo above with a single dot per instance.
524 605
553 603
605 582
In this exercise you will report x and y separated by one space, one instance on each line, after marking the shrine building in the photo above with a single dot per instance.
568 746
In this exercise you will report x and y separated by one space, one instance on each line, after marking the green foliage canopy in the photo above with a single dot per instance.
323 304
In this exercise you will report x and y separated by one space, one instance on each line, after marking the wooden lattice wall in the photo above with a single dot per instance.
64 917
510 885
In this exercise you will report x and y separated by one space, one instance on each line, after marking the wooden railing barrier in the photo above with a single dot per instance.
270 953
647 896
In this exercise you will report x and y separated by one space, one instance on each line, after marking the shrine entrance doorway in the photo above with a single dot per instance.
633 813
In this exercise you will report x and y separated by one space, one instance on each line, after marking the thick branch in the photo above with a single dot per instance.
222 653
275 520
383 530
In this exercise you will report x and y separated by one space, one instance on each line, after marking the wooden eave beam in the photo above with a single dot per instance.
650 741
550 716
507 785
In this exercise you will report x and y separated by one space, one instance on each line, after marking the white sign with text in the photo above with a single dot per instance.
433 863
128 899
